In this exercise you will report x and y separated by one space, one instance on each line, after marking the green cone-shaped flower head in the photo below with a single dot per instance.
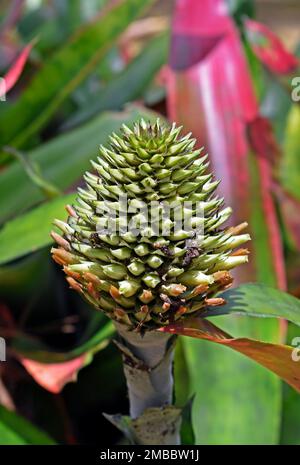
145 242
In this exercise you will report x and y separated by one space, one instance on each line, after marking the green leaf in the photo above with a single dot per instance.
30 231
276 104
62 161
20 279
275 357
181 374
91 342
237 401
258 300
54 23
33 172
266 264
290 166
187 432
128 85
64 71
15 430
212 403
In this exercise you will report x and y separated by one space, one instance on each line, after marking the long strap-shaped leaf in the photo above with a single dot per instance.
15 430
210 92
30 232
65 71
127 86
258 300
58 169
275 357
15 70
269 48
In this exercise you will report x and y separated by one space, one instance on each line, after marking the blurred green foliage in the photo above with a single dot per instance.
77 88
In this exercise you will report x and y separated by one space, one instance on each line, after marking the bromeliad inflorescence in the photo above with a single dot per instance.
147 269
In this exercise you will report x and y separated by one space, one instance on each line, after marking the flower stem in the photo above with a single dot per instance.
148 361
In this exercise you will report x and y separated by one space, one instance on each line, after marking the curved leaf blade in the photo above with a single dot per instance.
61 161
53 377
258 300
30 232
15 70
275 357
29 348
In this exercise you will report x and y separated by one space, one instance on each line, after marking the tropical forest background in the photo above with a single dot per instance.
74 71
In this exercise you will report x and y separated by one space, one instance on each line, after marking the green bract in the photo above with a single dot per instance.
122 251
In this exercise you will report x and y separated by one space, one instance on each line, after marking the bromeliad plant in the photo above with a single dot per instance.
154 275
158 279
209 87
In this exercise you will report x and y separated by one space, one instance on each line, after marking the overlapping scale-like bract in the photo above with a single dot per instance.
154 273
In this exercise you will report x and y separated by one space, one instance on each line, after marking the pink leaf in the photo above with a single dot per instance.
269 49
54 376
210 92
16 69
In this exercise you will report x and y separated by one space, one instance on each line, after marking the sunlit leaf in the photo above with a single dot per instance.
260 301
275 357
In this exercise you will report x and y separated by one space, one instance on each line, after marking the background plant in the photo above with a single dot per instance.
90 70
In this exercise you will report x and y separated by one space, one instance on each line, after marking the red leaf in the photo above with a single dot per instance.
212 95
6 318
275 357
16 69
269 49
262 140
54 376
